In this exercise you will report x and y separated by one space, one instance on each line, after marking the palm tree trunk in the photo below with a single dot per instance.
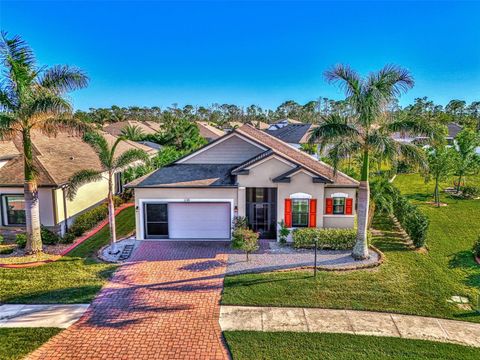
32 208
459 182
360 250
111 215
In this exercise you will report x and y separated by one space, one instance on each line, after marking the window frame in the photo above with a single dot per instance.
343 205
4 205
306 213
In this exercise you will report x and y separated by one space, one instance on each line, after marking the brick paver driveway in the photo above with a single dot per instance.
162 305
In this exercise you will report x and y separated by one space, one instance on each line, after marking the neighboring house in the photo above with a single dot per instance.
282 123
452 131
293 134
147 127
244 173
56 160
208 131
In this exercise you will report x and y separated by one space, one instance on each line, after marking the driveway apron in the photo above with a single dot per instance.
163 304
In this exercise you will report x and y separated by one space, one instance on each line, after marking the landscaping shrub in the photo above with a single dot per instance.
88 220
413 221
68 238
117 201
283 232
476 247
49 237
21 240
334 239
1 239
6 249
469 192
245 240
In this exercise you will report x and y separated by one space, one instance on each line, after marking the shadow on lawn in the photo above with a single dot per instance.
388 238
464 260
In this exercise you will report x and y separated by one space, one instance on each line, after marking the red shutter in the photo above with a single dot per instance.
313 213
328 206
348 206
288 213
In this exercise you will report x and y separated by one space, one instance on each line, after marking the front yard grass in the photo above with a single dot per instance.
75 278
408 282
15 343
246 345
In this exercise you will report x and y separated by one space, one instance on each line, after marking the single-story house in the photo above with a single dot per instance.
293 134
452 131
247 172
56 160
281 123
209 132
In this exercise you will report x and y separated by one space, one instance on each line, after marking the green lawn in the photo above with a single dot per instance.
75 278
292 346
15 343
408 282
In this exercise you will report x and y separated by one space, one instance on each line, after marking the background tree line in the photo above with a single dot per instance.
311 112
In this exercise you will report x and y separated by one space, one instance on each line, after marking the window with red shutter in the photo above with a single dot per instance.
328 206
348 206
288 213
312 222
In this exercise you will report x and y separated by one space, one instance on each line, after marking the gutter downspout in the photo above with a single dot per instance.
65 216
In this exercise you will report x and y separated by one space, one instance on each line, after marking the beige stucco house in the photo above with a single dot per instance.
56 160
247 172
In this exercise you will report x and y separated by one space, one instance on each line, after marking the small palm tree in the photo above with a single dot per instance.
368 130
110 164
32 98
132 132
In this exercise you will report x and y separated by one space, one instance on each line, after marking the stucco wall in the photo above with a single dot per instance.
340 221
261 175
45 201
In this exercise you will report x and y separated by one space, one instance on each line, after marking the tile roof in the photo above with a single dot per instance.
296 155
57 159
292 133
188 175
148 127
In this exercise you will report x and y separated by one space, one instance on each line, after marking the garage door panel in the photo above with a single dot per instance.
199 220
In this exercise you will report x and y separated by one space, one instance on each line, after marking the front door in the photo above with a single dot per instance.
262 211
156 221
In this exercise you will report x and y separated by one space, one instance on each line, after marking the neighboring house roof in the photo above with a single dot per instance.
57 159
293 133
202 175
283 122
188 175
260 125
453 130
147 127
208 131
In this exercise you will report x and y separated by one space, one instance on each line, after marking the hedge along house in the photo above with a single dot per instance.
56 160
244 173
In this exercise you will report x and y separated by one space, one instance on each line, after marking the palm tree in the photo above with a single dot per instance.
368 130
132 132
32 98
110 164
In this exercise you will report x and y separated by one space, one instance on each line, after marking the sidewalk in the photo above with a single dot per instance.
350 322
49 315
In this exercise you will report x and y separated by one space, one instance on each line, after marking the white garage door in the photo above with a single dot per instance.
199 220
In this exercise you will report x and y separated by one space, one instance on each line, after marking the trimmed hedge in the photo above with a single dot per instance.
88 220
21 240
333 239
413 221
476 248
49 237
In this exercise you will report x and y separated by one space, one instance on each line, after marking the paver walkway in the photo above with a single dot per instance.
348 321
164 304
51 315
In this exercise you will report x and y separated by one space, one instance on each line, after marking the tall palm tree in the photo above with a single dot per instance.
32 98
368 130
110 163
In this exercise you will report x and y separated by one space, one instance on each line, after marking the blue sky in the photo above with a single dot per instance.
159 53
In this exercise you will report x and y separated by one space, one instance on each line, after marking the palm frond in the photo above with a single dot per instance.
415 128
101 147
9 127
63 78
130 156
7 103
45 102
16 50
383 145
80 178
341 150
390 82
331 129
52 126
412 154
347 78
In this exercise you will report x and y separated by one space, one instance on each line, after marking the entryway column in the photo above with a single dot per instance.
241 201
